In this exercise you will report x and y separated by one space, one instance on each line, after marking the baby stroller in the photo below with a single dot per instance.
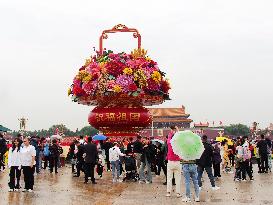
130 168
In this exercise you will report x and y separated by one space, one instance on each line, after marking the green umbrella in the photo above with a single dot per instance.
4 129
187 145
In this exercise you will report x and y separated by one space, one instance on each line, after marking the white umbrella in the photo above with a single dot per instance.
187 145
58 137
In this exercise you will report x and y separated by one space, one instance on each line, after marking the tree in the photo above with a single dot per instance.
62 129
87 130
237 130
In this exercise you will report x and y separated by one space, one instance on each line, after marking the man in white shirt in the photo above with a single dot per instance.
114 154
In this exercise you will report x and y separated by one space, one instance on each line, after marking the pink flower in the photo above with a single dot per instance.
89 87
110 85
124 81
77 82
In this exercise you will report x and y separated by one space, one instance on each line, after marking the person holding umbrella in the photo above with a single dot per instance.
173 166
188 146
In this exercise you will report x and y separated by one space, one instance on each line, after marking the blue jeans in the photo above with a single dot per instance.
190 172
210 175
141 171
115 166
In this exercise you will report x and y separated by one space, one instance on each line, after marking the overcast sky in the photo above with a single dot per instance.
217 54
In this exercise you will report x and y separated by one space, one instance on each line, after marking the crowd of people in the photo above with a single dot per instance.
136 159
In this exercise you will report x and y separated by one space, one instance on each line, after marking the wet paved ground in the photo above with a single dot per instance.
63 189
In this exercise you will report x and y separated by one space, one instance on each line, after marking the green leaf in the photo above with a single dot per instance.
135 94
111 77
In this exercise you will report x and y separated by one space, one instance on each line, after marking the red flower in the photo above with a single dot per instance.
152 85
165 86
78 91
115 68
132 87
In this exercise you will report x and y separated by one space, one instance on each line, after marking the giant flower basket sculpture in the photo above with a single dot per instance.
120 85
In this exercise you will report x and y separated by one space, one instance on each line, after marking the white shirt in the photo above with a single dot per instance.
14 158
114 154
26 155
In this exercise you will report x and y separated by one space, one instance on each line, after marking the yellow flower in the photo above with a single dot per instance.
82 74
148 59
138 53
128 71
102 64
156 76
69 91
117 89
140 77
87 78
87 62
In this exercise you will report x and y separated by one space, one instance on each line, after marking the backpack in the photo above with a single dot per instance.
113 153
246 153
46 151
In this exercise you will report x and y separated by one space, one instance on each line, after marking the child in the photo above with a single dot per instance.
238 171
100 165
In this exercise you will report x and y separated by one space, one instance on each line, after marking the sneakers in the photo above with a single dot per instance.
168 194
147 182
215 188
114 180
178 195
197 199
200 188
186 199
141 182
27 190
120 180
11 190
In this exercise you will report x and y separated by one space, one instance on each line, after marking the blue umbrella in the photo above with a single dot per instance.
99 137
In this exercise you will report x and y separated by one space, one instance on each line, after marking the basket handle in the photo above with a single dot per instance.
119 28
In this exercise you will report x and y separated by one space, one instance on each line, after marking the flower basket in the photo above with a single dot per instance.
109 79
120 84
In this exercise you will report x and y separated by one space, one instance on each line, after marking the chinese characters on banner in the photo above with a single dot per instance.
118 117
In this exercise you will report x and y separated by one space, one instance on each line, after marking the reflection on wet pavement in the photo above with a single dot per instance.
63 189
